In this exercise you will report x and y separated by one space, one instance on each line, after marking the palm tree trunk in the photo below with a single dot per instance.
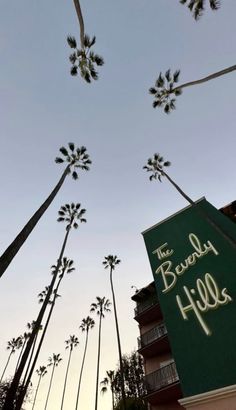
30 360
112 397
5 368
15 246
50 385
205 79
179 189
36 391
202 213
81 22
18 361
119 345
81 371
64 388
15 382
41 340
98 360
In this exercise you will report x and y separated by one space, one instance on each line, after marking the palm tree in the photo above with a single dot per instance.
66 267
12 345
41 373
156 165
74 159
101 306
71 343
30 327
72 215
109 380
197 6
110 262
83 59
165 88
85 326
54 362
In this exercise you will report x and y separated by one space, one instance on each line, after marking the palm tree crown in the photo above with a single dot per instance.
41 371
109 379
66 266
31 326
197 6
76 158
155 166
111 261
72 342
14 344
42 295
54 360
86 324
70 214
100 306
164 87
84 59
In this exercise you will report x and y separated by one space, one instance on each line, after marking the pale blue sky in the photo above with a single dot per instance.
42 107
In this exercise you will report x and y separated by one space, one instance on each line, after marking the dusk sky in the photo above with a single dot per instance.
42 108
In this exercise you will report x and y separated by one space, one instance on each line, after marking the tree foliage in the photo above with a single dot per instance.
134 386
155 165
84 60
163 90
4 387
75 157
197 7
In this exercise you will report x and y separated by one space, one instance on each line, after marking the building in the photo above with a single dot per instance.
161 377
161 380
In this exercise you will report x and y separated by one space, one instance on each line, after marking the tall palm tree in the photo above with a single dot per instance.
165 89
101 306
41 373
197 6
12 345
156 166
54 362
71 343
72 215
109 381
74 159
66 267
110 262
83 59
85 326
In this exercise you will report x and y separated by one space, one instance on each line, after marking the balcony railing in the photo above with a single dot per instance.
161 378
152 335
141 307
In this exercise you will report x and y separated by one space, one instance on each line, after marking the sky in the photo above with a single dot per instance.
43 108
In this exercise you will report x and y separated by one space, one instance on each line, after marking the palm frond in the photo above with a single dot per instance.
72 42
59 160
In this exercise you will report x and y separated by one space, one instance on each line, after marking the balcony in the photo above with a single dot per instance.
163 385
154 341
148 310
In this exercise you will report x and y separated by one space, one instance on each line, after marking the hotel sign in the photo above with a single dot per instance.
193 260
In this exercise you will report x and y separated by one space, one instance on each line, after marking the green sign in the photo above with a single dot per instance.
193 260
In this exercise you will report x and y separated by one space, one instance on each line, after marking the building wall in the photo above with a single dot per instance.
145 328
153 363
